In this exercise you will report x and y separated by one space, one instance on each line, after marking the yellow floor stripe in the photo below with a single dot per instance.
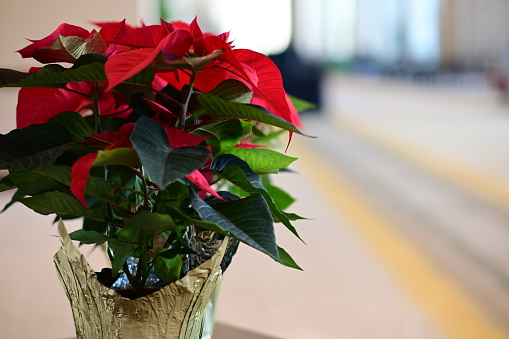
479 183
453 311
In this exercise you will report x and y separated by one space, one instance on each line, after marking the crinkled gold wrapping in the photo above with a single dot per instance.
175 311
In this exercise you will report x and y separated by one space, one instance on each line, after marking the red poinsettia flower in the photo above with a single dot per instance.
81 168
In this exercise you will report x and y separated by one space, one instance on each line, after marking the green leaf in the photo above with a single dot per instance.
61 204
191 64
227 133
121 252
168 269
18 195
163 163
172 196
233 90
248 220
151 223
32 183
6 183
208 225
34 146
221 109
95 225
89 237
301 105
287 259
144 78
293 216
281 198
262 160
54 76
77 46
75 124
117 156
96 187
10 76
240 174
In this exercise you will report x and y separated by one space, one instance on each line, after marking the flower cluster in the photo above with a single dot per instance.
153 133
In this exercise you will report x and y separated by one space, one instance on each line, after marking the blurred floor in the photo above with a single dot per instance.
407 191
409 188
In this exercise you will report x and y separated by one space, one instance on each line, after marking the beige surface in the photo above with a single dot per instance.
346 289
33 19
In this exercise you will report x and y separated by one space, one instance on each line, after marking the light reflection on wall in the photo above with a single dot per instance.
264 26
387 32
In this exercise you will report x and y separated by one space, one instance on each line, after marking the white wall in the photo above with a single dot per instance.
36 19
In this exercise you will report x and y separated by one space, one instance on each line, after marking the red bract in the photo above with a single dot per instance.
180 138
148 36
41 48
177 45
198 39
79 173
202 183
81 168
122 66
38 105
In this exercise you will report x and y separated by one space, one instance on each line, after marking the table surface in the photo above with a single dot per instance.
223 331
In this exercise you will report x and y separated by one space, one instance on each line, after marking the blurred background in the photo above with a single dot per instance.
406 186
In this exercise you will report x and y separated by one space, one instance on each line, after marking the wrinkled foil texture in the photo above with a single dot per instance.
175 311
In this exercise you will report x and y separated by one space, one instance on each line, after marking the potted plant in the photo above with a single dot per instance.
159 137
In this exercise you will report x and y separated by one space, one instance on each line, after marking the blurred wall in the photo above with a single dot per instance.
35 19
475 34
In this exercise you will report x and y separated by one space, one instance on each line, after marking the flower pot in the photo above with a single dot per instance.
175 311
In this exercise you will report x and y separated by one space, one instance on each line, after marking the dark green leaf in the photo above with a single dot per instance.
240 174
144 77
170 253
208 225
168 269
33 147
75 124
151 223
55 76
95 225
227 133
15 198
87 59
10 76
61 204
6 184
221 109
287 259
163 163
248 220
172 196
89 237
121 252
233 90
96 187
32 183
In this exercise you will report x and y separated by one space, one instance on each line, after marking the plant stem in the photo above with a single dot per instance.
97 110
183 114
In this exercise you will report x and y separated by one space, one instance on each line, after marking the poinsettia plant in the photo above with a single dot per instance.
158 137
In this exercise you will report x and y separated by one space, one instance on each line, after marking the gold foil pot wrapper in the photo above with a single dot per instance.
175 311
